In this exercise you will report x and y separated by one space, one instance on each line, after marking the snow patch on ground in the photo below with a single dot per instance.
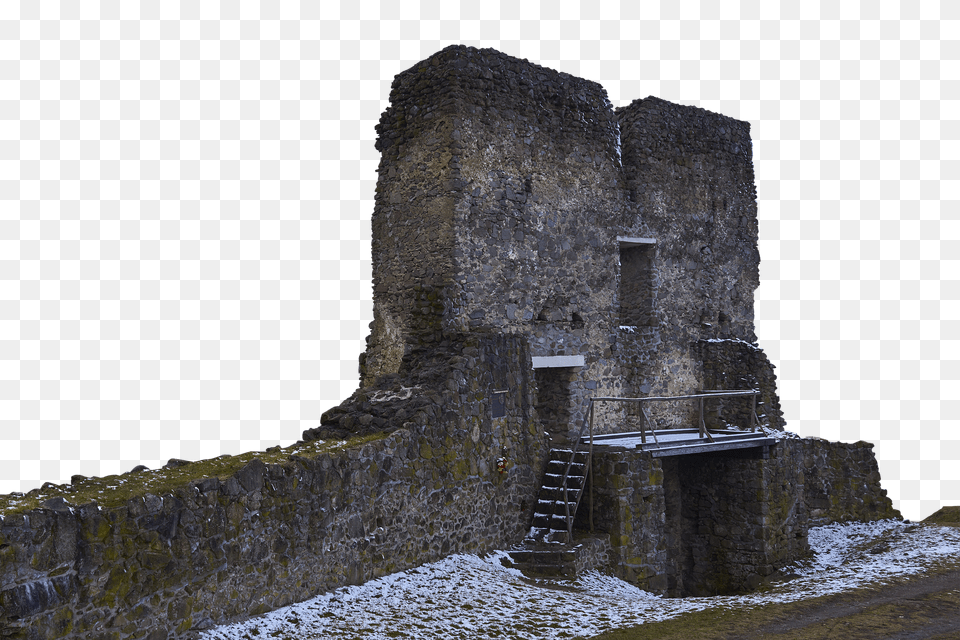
467 596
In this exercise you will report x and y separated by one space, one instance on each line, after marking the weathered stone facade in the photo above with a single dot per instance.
528 204
720 523
735 364
532 248
164 553
493 178
842 482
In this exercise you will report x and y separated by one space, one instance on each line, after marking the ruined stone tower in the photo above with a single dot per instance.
534 249
515 199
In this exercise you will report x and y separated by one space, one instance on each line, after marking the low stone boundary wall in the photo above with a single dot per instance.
842 482
221 548
165 553
148 553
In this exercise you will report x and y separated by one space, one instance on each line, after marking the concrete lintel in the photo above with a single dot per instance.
547 362
707 447
635 242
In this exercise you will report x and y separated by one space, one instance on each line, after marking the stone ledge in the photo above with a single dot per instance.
635 242
549 362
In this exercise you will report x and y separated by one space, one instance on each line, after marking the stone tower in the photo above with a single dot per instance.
515 199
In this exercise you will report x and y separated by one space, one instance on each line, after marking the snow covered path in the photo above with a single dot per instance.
472 597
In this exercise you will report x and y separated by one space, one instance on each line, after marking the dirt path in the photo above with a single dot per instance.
924 607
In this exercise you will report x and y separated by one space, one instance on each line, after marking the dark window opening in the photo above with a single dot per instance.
498 404
637 286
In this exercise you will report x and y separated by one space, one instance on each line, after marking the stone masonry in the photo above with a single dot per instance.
166 553
533 247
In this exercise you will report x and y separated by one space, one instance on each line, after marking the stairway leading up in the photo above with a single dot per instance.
548 550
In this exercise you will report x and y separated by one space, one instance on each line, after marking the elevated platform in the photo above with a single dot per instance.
679 442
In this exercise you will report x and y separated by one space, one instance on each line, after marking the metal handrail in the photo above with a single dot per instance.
589 467
704 433
588 420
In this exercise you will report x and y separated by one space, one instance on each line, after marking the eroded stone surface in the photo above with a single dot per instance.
517 215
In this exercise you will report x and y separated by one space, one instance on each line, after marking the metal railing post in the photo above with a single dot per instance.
590 463
643 424
703 425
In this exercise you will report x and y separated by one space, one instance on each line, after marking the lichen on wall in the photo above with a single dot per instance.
180 549
683 163
726 522
842 482
517 215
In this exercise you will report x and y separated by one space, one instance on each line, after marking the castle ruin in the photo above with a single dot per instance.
534 250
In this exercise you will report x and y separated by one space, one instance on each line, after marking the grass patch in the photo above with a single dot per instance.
946 515
116 490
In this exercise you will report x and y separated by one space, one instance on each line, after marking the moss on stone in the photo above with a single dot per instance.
461 469
117 490
655 476
63 621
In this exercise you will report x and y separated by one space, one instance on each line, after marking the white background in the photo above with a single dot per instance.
186 190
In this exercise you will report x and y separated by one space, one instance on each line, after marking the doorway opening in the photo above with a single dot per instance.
554 402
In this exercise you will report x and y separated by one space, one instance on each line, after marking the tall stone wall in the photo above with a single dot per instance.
162 554
537 225
413 217
499 183
526 204
741 518
689 164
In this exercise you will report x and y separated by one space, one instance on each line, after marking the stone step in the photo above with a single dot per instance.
554 518
543 570
560 560
554 494
545 556
549 507
538 533
554 522
546 535
558 467
552 480
563 455
558 512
